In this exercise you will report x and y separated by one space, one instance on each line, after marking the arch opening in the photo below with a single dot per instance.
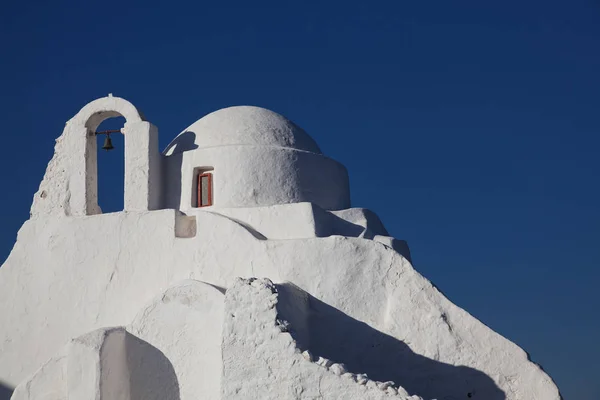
70 187
110 165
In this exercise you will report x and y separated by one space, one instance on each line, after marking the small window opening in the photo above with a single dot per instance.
205 192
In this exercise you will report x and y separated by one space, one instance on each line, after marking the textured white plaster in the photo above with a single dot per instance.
70 184
247 125
369 308
257 158
143 173
96 366
303 220
174 341
103 262
48 383
253 176
259 356
105 364
185 324
88 367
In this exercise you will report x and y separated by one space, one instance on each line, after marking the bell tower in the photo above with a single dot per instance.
70 184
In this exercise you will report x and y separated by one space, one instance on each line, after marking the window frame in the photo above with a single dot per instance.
199 190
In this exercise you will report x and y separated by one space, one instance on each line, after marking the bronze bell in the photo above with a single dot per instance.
108 144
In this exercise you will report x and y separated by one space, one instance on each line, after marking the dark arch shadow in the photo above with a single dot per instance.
5 392
329 333
151 374
184 142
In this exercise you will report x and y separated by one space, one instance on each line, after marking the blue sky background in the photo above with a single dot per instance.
470 127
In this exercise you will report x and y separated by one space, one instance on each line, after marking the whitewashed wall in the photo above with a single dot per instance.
72 272
68 276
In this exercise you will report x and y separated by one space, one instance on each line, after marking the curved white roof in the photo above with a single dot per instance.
242 125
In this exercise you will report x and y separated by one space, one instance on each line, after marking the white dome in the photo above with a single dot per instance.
243 125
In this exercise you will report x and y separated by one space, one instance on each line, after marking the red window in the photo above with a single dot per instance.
205 190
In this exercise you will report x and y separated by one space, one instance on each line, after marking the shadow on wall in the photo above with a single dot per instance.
329 333
5 392
335 225
182 143
151 374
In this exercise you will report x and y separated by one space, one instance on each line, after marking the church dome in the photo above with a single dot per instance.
243 125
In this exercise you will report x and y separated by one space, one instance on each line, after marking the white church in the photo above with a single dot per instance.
237 270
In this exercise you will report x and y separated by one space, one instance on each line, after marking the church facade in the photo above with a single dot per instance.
237 270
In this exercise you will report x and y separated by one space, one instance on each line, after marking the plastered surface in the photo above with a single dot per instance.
282 212
260 356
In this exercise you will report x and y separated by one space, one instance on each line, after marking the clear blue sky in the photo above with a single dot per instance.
470 127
